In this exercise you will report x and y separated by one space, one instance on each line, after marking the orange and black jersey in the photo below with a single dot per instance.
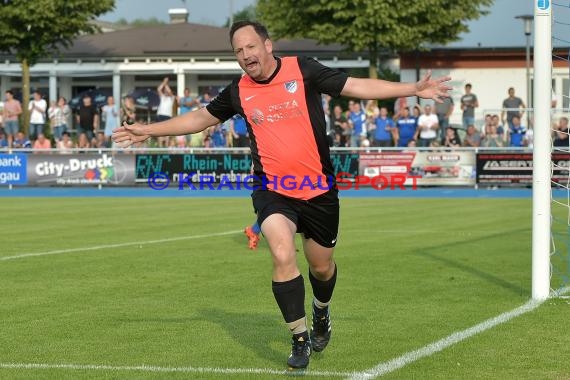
286 123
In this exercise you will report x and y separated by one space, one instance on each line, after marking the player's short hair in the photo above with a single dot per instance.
259 28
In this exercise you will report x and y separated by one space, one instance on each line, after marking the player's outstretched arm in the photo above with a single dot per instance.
188 123
427 88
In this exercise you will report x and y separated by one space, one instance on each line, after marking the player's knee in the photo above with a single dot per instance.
322 270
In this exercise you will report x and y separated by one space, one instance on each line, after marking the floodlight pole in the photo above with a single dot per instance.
541 182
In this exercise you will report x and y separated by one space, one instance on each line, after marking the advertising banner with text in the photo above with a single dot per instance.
424 168
81 169
516 168
230 167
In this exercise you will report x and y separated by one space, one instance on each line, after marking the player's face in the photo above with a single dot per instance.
254 55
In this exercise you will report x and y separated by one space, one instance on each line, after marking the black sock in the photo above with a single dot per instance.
323 290
290 296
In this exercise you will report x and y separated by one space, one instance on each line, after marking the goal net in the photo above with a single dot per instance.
560 143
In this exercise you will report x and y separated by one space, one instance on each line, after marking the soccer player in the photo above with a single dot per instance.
252 232
280 99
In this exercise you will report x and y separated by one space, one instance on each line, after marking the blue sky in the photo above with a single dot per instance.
498 29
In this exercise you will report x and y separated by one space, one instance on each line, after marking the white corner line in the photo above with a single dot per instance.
432 348
118 245
155 369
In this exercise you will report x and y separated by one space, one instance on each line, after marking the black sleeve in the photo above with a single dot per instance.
221 107
324 79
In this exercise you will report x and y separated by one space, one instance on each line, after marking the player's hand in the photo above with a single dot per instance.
130 134
435 89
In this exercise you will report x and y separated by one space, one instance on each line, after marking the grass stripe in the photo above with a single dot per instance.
117 245
432 348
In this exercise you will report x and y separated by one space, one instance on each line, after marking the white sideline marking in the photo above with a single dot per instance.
147 368
432 348
118 245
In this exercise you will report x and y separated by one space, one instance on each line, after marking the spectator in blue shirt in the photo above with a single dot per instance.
187 103
406 126
384 128
516 132
357 120
239 133
3 140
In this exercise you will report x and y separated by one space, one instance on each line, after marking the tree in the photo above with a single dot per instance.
31 30
371 25
246 14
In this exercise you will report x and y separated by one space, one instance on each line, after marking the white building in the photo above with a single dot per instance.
191 55
491 71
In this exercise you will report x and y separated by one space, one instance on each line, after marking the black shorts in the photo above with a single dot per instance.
316 218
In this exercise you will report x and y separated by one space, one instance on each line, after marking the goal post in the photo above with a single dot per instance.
541 181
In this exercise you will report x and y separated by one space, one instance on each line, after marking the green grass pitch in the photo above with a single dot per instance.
411 271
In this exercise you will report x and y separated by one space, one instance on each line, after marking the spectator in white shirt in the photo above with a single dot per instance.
428 124
165 107
38 107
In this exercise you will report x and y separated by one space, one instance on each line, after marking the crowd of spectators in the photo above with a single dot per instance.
359 125
363 125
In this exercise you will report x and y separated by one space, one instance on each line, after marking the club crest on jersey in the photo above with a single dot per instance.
291 86
257 117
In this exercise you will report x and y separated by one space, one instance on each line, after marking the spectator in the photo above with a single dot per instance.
406 128
57 120
427 127
111 114
495 121
416 112
516 108
11 112
472 137
372 112
101 141
528 140
561 134
3 140
487 124
181 142
38 108
21 141
492 139
443 111
451 139
341 128
384 129
65 113
164 111
128 110
468 104
42 143
357 121
87 118
399 106
187 102
65 144
218 136
238 130
83 142
205 100
516 132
